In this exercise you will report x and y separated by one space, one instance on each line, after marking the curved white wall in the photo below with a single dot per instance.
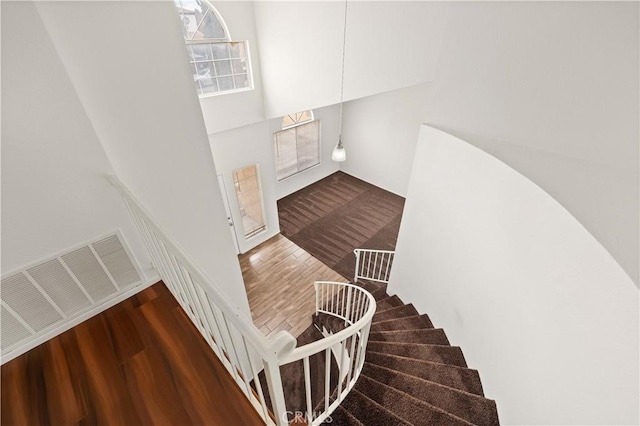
551 88
539 307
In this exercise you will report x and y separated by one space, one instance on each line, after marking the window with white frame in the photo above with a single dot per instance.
218 64
297 146
249 192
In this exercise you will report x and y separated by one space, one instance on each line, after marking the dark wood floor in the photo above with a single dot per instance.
140 362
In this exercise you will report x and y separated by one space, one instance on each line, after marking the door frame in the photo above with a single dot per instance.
227 209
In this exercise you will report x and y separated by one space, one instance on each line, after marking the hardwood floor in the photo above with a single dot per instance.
140 362
279 277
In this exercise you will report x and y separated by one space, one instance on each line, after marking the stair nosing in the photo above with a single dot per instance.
398 307
426 346
348 414
401 318
386 309
431 364
421 360
404 421
416 399
466 394
405 330
418 344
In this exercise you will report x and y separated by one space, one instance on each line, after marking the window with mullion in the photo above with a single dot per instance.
218 64
297 149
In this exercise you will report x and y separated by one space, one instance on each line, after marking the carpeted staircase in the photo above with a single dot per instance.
412 375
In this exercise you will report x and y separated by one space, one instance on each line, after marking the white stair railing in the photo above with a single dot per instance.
355 307
236 341
373 265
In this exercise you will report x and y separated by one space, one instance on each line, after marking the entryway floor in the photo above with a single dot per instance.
279 276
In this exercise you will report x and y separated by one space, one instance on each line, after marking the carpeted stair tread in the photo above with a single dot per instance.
329 322
369 412
451 355
405 406
341 417
461 378
388 303
379 294
397 312
470 407
431 336
371 286
407 323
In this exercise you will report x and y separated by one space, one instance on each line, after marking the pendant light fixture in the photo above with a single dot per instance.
339 154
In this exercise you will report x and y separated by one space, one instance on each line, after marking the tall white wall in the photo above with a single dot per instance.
128 63
253 144
551 88
380 134
392 44
538 305
301 54
55 195
389 45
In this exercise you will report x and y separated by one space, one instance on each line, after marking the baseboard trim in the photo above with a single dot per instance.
72 322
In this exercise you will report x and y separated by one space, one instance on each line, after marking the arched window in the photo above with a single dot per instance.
297 146
297 119
218 64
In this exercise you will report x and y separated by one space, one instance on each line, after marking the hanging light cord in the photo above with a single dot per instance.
344 45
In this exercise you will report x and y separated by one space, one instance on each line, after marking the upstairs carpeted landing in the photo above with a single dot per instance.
331 217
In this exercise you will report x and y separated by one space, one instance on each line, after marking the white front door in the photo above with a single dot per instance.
225 200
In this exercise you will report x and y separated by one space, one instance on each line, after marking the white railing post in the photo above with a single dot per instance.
347 314
307 388
274 382
357 253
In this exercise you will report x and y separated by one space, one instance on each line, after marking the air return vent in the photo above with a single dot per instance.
42 297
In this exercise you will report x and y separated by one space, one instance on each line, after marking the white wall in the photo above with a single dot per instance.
55 194
389 45
380 134
253 144
155 139
551 88
392 44
239 148
224 112
301 54
538 305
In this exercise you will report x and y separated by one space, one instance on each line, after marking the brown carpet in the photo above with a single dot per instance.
332 217
412 375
